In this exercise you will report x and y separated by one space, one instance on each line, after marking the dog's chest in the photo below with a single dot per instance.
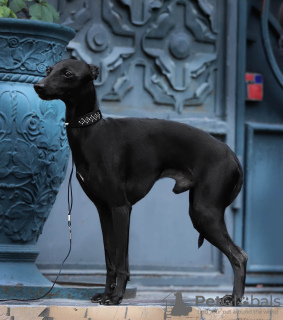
92 182
86 186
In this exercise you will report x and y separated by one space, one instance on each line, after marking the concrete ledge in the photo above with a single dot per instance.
58 292
55 312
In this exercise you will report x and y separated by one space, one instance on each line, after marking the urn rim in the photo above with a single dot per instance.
38 28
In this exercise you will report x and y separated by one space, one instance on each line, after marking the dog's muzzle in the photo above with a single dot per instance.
39 87
41 91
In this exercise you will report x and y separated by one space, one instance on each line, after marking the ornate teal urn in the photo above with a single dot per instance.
34 150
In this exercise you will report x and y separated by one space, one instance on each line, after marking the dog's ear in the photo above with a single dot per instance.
94 70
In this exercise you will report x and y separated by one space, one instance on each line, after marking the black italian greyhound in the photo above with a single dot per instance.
119 160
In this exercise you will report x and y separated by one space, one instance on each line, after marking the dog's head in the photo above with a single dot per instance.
65 79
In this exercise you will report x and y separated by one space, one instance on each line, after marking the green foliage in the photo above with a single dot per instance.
28 9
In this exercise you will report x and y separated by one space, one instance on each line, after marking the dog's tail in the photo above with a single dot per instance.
200 240
239 183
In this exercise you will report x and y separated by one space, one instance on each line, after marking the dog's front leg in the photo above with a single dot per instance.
121 224
109 240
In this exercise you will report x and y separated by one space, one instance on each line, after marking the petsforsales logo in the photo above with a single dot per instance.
182 309
246 301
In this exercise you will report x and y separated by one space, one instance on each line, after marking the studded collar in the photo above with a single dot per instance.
85 120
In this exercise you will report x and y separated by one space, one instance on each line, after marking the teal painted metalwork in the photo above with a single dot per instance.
259 141
240 110
265 20
172 65
264 202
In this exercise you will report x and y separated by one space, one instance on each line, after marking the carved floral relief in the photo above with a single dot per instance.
34 156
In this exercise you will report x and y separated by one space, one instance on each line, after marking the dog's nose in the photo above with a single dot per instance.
38 87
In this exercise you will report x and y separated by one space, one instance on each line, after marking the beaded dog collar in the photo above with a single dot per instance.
86 120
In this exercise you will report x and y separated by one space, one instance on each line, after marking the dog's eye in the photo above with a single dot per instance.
68 74
48 71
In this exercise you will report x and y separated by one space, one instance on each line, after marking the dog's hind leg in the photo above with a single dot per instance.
109 241
121 225
209 222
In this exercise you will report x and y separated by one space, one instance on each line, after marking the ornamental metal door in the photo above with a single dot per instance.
162 59
262 122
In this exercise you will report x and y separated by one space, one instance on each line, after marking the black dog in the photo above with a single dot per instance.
119 160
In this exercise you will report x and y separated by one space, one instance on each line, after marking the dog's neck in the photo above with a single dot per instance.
84 102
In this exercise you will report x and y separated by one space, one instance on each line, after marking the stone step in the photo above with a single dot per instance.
147 312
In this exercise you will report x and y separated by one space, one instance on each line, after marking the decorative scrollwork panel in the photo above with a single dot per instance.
155 56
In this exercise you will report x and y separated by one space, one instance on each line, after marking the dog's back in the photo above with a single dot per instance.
141 151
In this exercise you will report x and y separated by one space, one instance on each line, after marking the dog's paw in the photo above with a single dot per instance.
101 297
97 298
229 300
112 300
